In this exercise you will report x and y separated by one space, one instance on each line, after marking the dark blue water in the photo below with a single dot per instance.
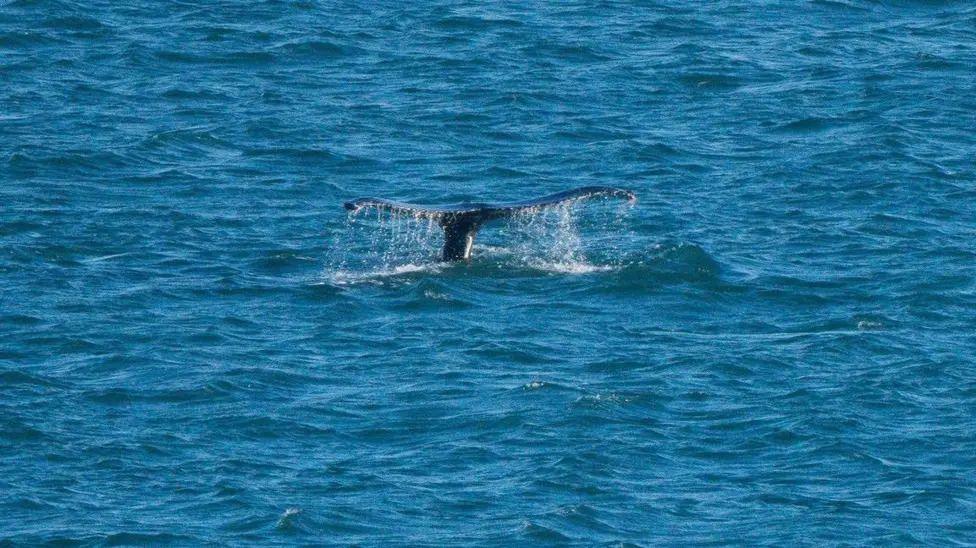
773 346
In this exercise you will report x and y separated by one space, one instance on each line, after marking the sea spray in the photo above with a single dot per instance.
378 241
569 239
547 238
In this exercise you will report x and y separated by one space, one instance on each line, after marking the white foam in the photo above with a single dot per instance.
348 277
568 267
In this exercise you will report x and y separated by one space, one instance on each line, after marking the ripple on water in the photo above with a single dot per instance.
773 346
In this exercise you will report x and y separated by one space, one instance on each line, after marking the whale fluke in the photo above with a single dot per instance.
462 221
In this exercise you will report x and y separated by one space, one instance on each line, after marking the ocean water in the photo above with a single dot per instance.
773 346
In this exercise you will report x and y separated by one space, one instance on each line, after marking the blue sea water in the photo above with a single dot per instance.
774 346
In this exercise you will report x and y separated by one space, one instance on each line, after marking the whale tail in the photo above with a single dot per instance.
461 222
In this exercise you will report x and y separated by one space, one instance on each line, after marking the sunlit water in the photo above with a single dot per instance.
773 346
381 242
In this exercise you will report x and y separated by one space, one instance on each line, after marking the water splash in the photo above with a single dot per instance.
287 519
379 242
549 239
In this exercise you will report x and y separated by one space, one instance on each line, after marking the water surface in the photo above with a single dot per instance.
773 346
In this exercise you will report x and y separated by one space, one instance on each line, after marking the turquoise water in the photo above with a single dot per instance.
773 346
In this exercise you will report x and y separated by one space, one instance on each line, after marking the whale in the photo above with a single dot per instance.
461 222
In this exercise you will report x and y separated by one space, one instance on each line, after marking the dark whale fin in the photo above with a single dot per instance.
462 221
